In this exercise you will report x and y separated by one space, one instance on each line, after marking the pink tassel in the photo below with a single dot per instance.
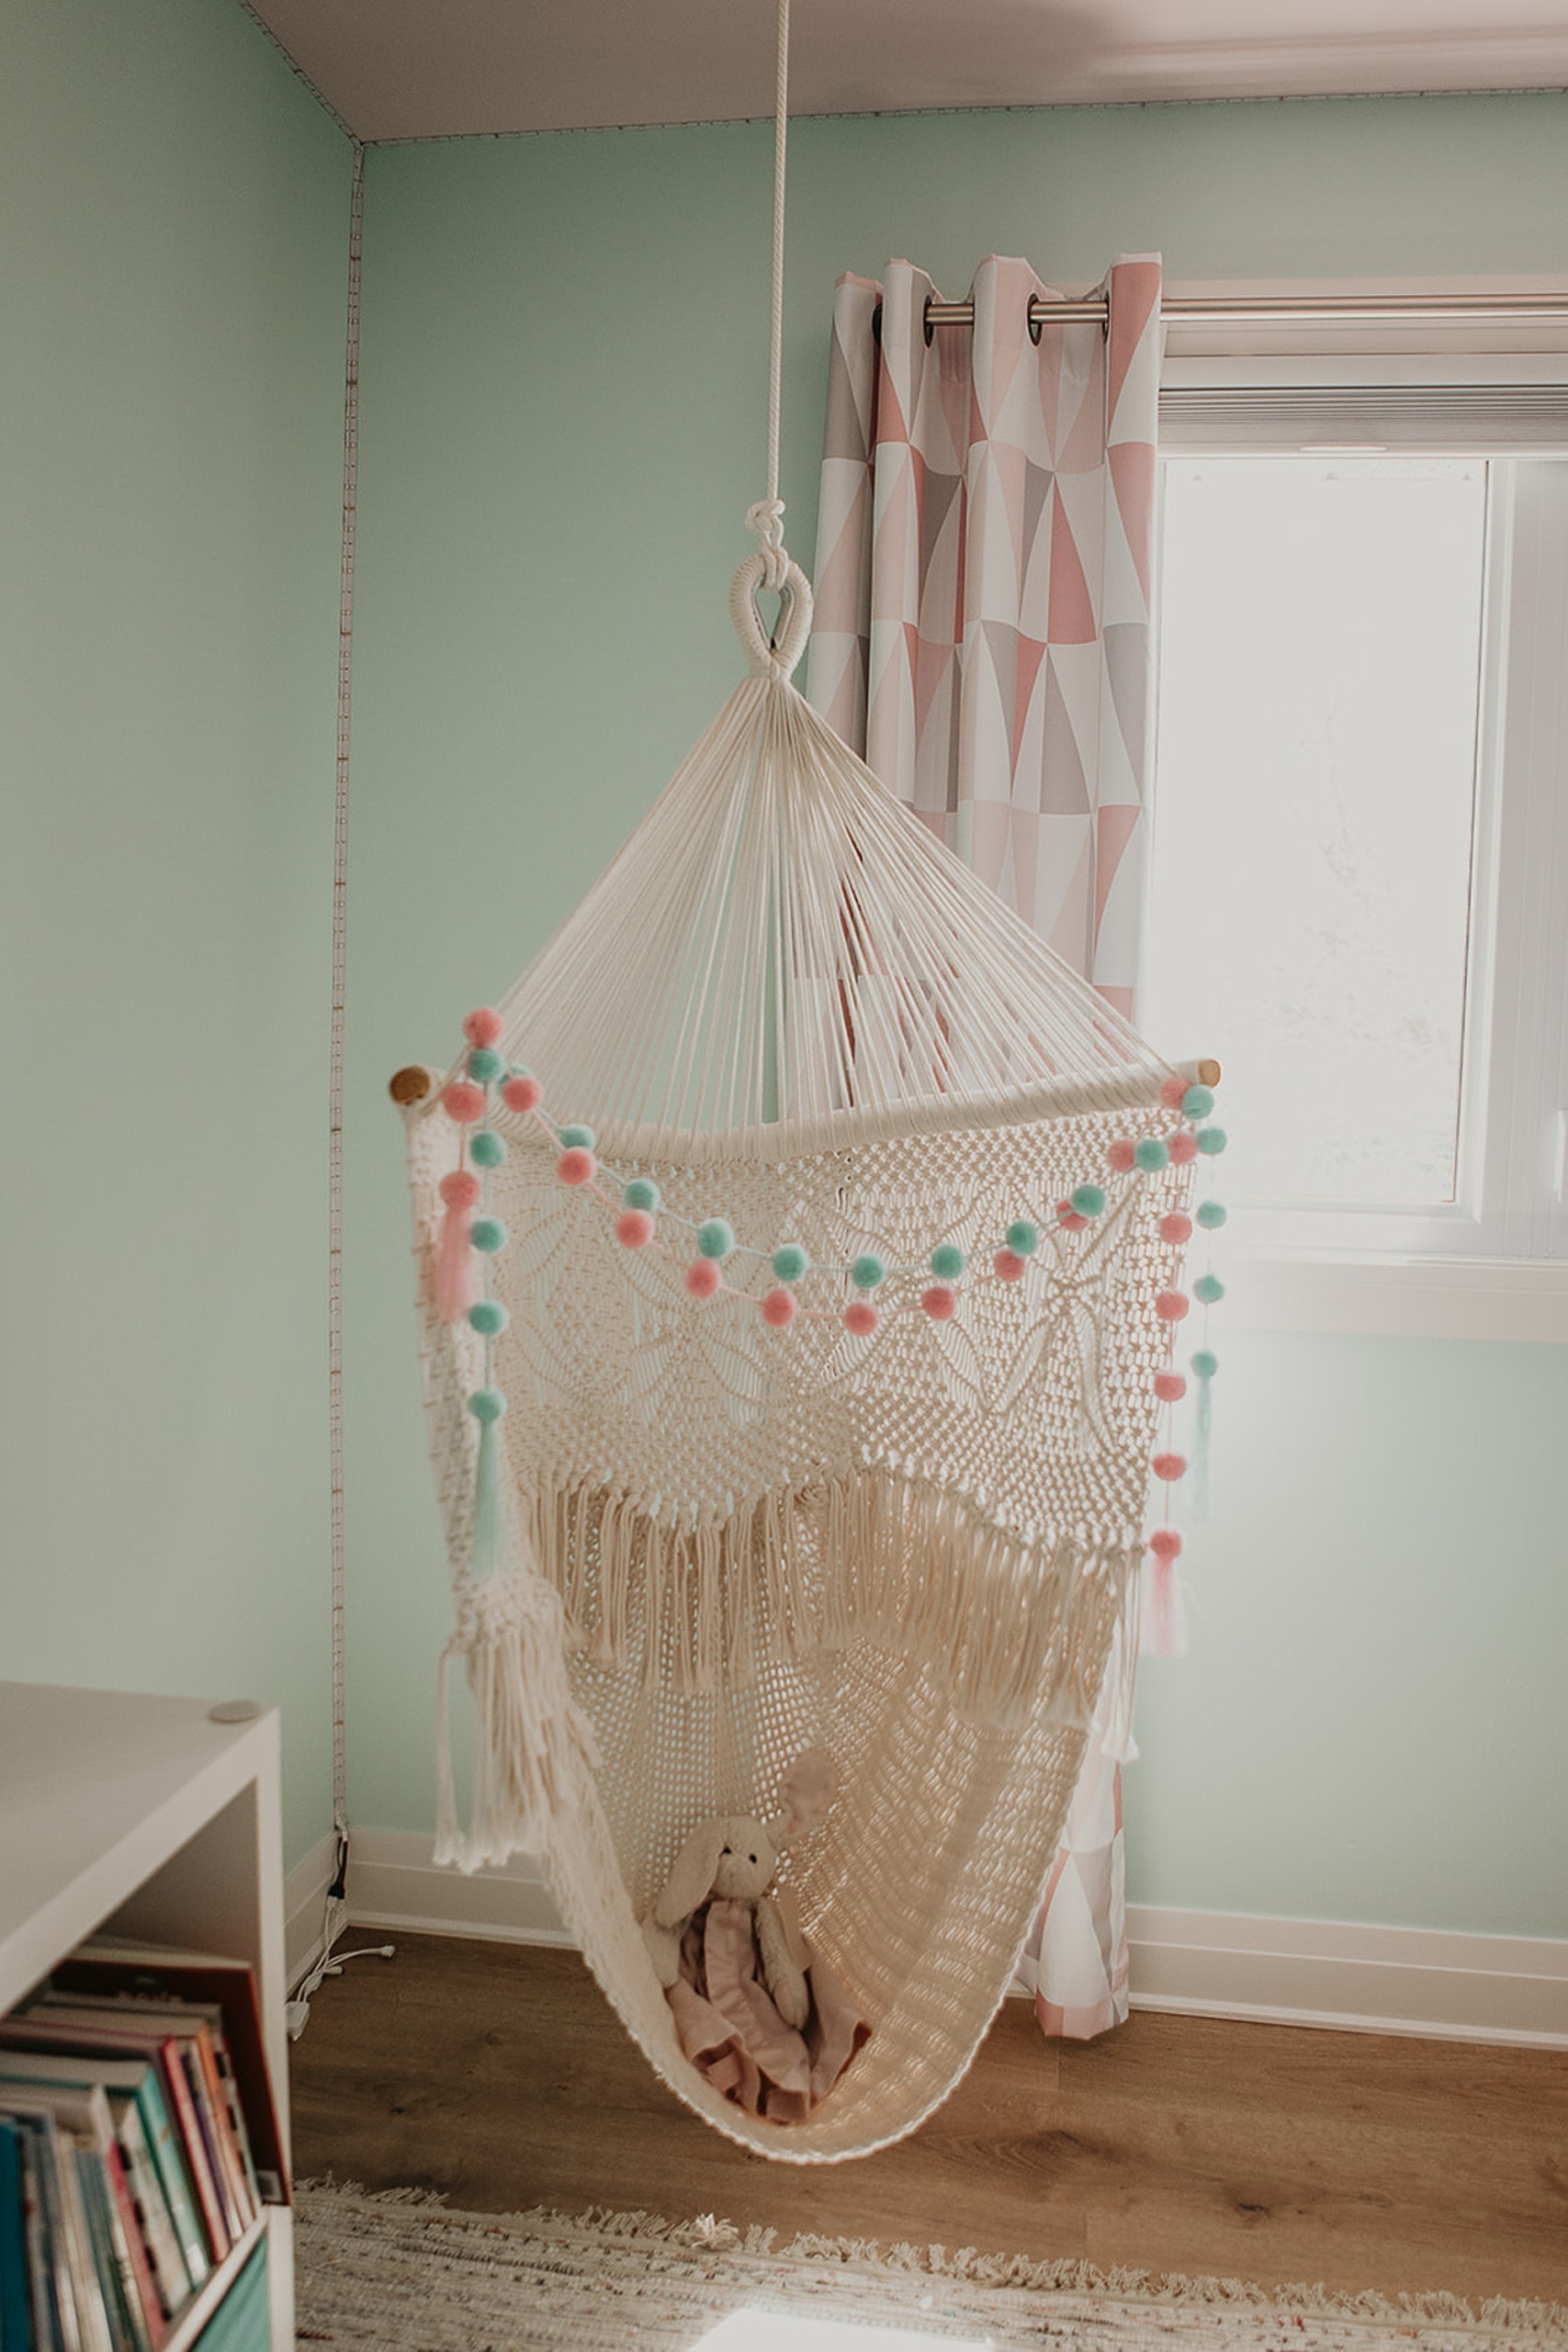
456 1289
1163 1632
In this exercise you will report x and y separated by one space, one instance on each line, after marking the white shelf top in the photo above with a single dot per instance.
97 1789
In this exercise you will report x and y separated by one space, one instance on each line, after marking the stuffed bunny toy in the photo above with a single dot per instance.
733 1857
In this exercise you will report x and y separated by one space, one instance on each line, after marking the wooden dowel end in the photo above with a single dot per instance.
409 1086
1208 1074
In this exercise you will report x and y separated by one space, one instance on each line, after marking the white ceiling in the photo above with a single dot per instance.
421 69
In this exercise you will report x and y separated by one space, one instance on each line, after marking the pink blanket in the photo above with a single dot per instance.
730 2028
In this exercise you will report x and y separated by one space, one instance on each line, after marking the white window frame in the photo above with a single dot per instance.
1494 1265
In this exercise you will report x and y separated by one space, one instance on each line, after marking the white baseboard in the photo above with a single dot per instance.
304 1893
1200 1963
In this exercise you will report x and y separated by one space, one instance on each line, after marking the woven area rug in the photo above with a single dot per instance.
402 2272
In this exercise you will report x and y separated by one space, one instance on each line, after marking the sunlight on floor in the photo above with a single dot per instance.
750 2330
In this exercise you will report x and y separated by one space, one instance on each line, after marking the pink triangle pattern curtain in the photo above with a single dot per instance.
983 610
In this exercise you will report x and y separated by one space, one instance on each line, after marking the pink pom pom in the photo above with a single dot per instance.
460 1190
778 1309
1165 1543
1172 1090
1183 1147
634 1229
1170 1466
482 1028
1067 1217
1171 1305
1169 1386
576 1165
860 1318
522 1093
464 1101
1176 1228
939 1303
703 1278
1008 1269
1120 1155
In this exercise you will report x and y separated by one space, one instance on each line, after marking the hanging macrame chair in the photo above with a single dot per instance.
810 1400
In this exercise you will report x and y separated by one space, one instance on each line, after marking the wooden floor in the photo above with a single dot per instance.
497 2073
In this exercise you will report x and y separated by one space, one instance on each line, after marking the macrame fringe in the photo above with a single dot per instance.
533 1744
1005 1626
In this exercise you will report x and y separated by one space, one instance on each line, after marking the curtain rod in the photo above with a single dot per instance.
1262 310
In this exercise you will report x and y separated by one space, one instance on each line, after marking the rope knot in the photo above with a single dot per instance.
766 518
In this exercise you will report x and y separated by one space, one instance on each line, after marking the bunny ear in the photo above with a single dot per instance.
807 1792
691 1877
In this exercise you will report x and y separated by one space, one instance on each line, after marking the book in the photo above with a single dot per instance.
40 2298
147 2195
15 2315
109 1964
116 2289
138 2073
54 2300
79 2300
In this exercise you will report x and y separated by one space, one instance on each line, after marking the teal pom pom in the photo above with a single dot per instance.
488 1233
715 1238
790 1262
1211 1141
1211 1215
947 1261
1197 1103
577 1138
868 1270
489 1317
487 1405
486 1064
1087 1199
1150 1153
486 1150
642 1192
1205 1363
1023 1238
1209 1289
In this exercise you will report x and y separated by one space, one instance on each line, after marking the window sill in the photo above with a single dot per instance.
1395 1297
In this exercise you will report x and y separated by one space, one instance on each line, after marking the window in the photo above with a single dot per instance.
1360 825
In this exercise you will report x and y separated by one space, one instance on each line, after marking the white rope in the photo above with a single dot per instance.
781 136
334 1916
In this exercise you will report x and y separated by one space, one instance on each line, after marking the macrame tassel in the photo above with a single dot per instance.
455 1288
1163 1632
1120 1686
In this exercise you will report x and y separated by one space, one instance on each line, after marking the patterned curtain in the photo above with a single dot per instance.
983 635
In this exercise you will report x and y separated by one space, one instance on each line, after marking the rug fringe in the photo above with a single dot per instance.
708 2234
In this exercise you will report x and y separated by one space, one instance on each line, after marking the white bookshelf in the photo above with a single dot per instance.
145 1816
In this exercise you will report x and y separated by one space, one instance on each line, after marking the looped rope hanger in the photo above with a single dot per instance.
773 568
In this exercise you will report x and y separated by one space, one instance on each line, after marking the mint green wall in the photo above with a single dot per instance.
563 422
172 231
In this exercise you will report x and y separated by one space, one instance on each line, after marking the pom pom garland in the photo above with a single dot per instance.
947 1261
1007 1268
1169 1467
487 1405
1209 1289
1211 1141
1088 1200
714 1237
1171 1305
1068 1219
1169 1388
522 1092
1205 1362
486 1150
576 1165
1212 1214
489 1317
1172 1090
489 1234
790 1262
1119 1155
1150 1153
778 1309
578 1138
1197 1103
634 1228
1023 1237
483 1027
641 1192
460 1190
464 1103
1166 1544
860 1318
703 1278
868 1270
486 1064
1176 1228
1182 1147
939 1303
